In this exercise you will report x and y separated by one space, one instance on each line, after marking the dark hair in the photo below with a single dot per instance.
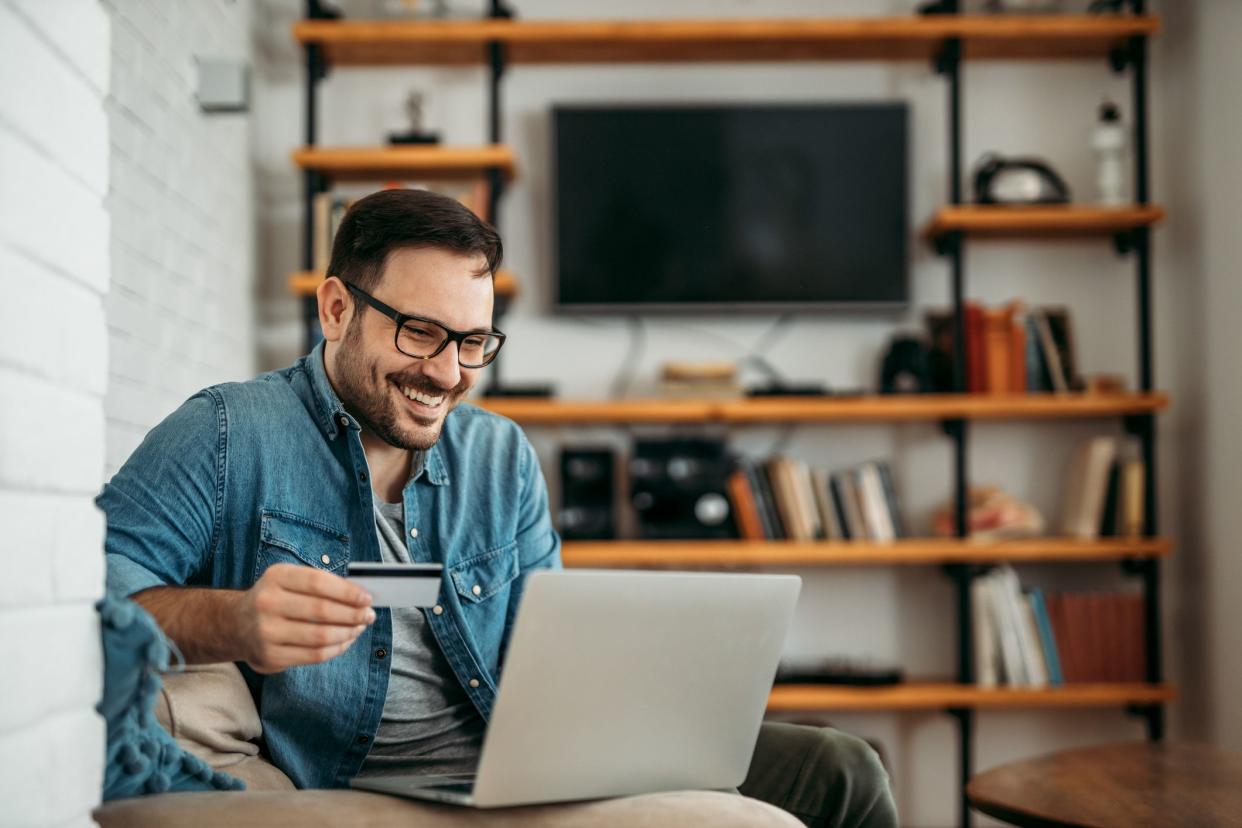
391 219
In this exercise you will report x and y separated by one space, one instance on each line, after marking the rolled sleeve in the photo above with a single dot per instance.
163 507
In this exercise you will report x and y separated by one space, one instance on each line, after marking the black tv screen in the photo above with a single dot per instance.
730 208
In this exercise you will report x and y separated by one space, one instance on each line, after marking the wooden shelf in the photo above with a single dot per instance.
934 696
402 162
1014 37
1045 221
306 282
897 407
728 554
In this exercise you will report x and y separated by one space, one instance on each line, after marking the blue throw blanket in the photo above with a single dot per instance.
142 757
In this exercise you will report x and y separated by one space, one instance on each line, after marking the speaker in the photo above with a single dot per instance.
677 487
587 511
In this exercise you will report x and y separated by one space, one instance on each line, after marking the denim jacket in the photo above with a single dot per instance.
245 475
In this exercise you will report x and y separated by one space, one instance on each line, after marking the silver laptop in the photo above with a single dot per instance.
620 683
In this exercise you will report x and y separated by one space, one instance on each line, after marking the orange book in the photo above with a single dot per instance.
745 510
1017 349
997 331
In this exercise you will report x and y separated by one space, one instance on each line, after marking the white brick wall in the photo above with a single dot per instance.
54 237
180 311
125 230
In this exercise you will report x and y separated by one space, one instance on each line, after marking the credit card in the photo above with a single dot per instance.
397 585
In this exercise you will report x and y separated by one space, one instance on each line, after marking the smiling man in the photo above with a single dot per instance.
234 520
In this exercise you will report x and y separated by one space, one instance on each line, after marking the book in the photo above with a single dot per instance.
1058 319
1043 624
780 477
804 491
1051 356
763 504
745 509
826 503
890 497
1108 520
843 483
983 634
1132 500
976 349
1037 376
997 325
1017 349
874 505
1087 488
1032 644
1004 621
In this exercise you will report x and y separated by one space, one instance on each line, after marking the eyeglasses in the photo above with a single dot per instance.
425 338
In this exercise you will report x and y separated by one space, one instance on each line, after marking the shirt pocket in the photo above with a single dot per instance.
288 538
482 576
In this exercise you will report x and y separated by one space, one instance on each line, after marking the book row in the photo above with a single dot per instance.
782 498
1011 349
1026 638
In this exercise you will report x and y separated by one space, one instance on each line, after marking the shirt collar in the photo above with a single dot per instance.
333 417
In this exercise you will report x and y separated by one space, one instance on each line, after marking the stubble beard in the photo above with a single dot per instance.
368 397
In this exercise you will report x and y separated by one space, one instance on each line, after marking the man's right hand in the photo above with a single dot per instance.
296 615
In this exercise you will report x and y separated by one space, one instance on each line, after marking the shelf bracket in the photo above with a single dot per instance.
1133 566
316 10
1128 240
970 570
938 7
316 66
947 243
953 428
1154 714
1124 55
1139 425
947 58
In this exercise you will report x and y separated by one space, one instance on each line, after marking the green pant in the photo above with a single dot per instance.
826 778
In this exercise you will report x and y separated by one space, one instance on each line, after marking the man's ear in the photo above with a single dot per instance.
336 308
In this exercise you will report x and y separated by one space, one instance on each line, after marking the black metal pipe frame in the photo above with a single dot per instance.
1142 265
312 182
497 60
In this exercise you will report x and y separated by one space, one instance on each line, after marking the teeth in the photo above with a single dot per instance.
422 398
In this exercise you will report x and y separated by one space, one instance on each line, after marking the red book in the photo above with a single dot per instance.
1017 350
976 353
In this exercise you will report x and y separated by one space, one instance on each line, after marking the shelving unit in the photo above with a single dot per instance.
913 552
872 408
944 39
306 282
948 696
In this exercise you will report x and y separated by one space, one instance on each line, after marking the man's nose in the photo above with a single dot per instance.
444 368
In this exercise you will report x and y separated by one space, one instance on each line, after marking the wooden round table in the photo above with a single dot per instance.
1131 785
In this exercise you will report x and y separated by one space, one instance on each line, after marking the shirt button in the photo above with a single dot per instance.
474 682
381 653
437 609
344 421
362 476
326 559
413 533
476 589
362 740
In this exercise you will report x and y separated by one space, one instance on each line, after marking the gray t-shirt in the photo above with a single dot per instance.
429 725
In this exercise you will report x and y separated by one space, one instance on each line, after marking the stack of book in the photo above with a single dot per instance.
784 499
1105 494
1024 638
1009 350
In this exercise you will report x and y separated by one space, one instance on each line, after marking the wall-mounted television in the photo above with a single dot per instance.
730 208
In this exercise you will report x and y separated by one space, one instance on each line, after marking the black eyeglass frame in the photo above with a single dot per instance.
452 336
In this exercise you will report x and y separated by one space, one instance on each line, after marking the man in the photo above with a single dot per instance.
234 520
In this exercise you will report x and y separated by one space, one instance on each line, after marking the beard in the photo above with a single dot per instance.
369 397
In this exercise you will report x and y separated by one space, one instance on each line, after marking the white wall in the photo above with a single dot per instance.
180 314
902 615
54 239
1204 251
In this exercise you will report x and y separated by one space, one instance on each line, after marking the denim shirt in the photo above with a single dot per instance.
246 475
